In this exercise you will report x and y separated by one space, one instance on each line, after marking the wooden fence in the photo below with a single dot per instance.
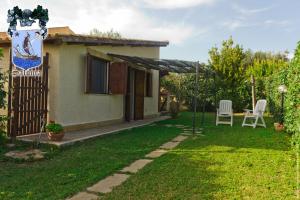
27 102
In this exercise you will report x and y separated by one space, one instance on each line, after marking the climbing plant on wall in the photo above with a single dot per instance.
3 93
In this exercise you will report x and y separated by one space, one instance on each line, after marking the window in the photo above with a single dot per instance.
97 74
148 85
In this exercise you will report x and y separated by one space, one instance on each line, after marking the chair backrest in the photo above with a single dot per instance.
260 107
225 107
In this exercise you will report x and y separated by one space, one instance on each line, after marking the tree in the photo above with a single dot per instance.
108 34
261 65
228 63
173 83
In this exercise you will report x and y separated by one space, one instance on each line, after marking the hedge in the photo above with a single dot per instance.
292 103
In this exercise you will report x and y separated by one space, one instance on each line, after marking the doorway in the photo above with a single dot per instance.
134 99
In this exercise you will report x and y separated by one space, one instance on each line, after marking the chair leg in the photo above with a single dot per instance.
244 121
231 120
217 120
255 123
263 122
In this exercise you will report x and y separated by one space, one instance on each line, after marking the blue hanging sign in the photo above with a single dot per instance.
27 49
27 45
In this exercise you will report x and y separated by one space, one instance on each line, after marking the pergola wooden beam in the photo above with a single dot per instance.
176 66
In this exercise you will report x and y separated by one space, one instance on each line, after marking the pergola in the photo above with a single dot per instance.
168 65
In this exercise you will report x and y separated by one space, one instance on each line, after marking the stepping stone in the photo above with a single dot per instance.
156 153
186 134
169 125
10 145
179 125
169 145
179 138
136 166
84 196
34 154
106 185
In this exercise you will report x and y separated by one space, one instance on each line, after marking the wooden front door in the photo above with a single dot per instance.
139 94
129 97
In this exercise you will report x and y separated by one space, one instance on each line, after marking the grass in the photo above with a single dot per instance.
226 163
68 171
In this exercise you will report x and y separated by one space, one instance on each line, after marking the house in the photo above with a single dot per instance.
88 88
88 81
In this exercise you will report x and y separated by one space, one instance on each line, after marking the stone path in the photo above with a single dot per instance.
136 166
169 145
156 153
107 184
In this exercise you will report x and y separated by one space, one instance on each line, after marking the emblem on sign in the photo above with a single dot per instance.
27 49
27 45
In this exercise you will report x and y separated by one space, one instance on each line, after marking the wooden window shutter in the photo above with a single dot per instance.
118 78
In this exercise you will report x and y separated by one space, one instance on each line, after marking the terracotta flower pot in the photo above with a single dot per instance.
278 127
56 136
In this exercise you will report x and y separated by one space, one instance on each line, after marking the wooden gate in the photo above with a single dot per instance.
27 102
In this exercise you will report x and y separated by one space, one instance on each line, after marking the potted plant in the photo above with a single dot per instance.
278 125
55 131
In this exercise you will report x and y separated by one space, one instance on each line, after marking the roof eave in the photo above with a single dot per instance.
93 42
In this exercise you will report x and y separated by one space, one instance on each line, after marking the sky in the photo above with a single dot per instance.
191 26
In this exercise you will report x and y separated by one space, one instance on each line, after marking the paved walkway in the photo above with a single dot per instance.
107 184
76 136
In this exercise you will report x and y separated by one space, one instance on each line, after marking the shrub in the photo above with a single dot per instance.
292 105
273 97
54 128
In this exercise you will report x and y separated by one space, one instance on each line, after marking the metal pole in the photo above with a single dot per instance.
204 99
282 102
215 96
195 98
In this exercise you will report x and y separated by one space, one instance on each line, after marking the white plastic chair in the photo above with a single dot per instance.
224 111
255 115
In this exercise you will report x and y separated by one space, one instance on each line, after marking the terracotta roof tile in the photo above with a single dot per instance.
62 30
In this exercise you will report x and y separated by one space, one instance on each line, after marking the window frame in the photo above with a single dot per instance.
88 75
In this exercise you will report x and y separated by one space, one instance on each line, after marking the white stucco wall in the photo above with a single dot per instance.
73 106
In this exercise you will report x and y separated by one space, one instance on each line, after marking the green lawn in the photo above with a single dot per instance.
71 170
227 163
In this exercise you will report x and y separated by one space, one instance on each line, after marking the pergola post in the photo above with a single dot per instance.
195 98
